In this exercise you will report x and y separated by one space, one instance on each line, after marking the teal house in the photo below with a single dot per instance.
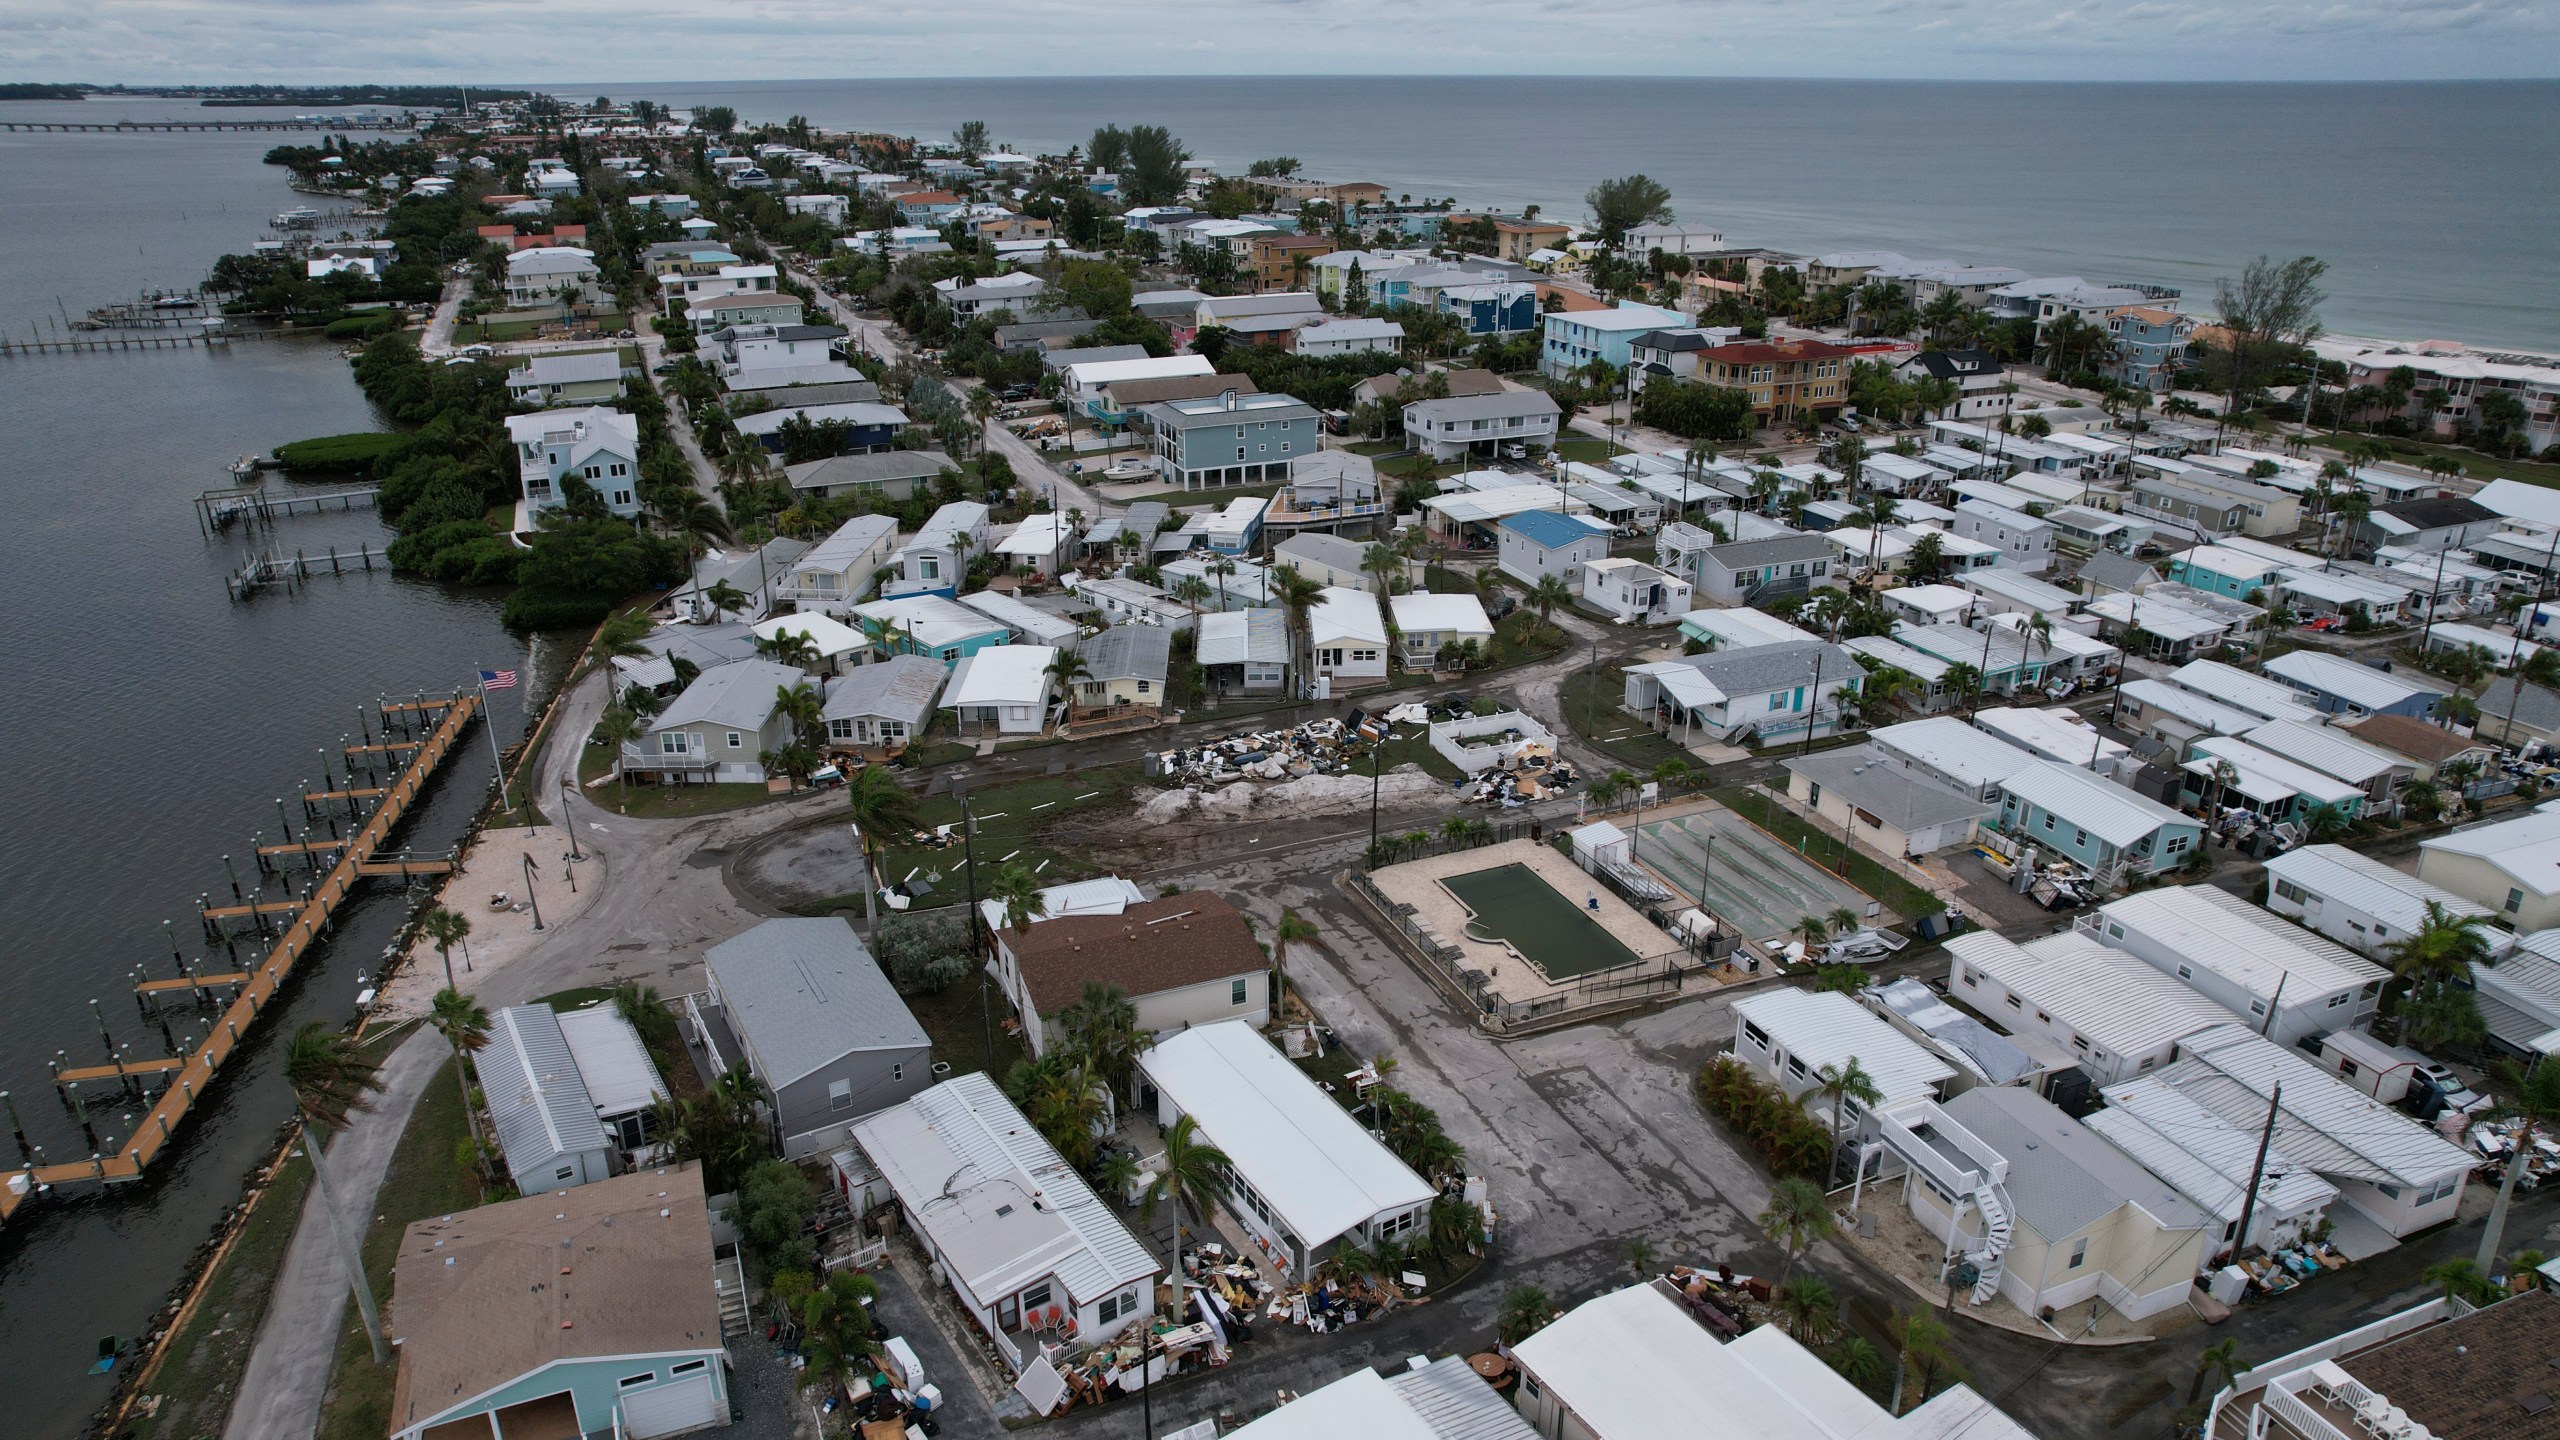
590 1311
2225 571
2093 821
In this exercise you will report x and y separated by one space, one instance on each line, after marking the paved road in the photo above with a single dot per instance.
658 896
438 341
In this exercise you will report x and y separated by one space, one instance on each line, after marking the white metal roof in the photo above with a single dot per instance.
931 621
2054 733
1000 1205
538 1101
1741 628
2189 706
1001 675
831 636
1344 614
2206 1157
2098 805
2360 882
2257 949
1320 1172
1105 372
1025 620
620 1076
2327 749
1419 611
2319 787
2526 847
2360 685
1935 599
1888 651
1445 1400
1037 536
2023 588
1825 1027
1108 895
1945 743
1633 1365
2165 618
2323 1122
2241 690
2111 998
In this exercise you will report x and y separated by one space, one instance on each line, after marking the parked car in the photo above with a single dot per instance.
2434 1089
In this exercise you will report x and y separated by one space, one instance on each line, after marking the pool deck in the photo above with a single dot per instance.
1417 883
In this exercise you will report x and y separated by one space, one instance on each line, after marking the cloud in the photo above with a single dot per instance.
631 41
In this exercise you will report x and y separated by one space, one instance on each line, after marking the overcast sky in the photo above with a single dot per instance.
582 41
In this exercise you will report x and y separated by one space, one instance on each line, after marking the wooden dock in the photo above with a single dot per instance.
103 341
176 127
219 509
274 567
187 1078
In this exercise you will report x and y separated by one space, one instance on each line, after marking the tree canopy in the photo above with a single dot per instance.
1621 204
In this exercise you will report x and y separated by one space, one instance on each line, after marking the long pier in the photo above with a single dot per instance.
187 1078
218 509
99 342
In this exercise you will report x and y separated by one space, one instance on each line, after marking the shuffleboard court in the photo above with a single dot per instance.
1752 881
1512 903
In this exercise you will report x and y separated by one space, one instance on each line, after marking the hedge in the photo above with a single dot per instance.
361 451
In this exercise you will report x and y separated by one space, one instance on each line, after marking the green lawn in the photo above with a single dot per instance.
1591 702
199 1367
1824 849
2475 464
1009 817
659 802
424 1180
1588 449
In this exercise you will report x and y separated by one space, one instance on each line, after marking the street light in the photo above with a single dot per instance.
568 821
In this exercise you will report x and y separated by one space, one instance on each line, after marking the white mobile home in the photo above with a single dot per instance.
2355 899
2244 959
2119 1017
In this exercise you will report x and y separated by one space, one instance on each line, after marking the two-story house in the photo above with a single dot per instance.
937 559
552 274
713 733
1750 571
836 572
1230 438
1482 425
1267 260
1784 378
584 377
1979 377
591 443
1575 338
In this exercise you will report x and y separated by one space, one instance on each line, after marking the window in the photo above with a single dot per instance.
2337 1000
2349 1068
1239 449
2013 1002
632 1382
1795 1067
2079 1252
564 1172
1115 1306
1236 991
1036 1297
672 742
1968 976
2515 901
2186 972
839 1094
2389 1192
736 741
2079 836
2257 1007
839 729
690 1367
2048 822
1758 1038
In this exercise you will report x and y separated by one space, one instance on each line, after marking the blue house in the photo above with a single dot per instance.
859 426
1495 308
2342 687
2221 570
588 1311
2151 345
2113 831
929 624
1575 338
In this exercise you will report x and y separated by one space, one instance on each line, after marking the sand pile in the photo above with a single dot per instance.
1309 797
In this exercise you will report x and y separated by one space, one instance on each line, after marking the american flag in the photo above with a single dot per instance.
497 680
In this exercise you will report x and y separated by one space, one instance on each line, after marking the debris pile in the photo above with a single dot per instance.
1530 773
1315 795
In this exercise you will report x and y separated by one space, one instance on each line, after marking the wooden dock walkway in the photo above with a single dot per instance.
103 341
192 982
274 567
176 127
190 1076
219 509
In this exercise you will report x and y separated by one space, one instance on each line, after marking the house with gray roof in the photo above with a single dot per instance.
805 1008
582 377
1896 810
1464 425
1751 571
539 1104
1124 665
894 474
1326 559
713 732
2074 1221
836 572
1060 359
1245 650
1230 438
1773 692
885 704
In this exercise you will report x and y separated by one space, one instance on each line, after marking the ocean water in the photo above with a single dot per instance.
149 723
2432 202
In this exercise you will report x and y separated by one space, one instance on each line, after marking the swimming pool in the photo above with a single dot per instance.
1512 903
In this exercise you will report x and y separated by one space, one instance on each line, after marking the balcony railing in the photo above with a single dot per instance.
635 759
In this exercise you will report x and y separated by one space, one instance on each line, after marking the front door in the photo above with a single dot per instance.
1009 1313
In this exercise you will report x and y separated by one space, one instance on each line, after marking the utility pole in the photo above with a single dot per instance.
2257 1173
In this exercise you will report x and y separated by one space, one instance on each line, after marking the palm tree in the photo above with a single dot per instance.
2533 1096
330 1079
1381 563
464 1023
1291 930
1194 1176
1857 1360
2460 1278
1798 1214
1546 595
1297 595
1068 668
1815 929
801 708
1837 1085
724 597
1016 892
2219 1359
621 637
881 807
1191 590
1965 681
683 511
1811 1309
788 647
1927 1351
1101 1029
445 929
1526 1309
618 727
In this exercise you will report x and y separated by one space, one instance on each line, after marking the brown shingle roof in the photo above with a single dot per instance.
1133 393
2412 737
2490 1375
1187 939
484 1296
1468 381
